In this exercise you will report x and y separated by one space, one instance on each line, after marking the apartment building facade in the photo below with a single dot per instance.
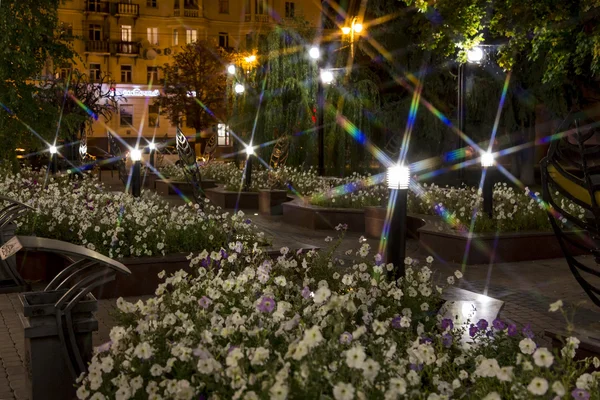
130 39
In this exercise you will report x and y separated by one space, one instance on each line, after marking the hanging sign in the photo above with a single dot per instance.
139 93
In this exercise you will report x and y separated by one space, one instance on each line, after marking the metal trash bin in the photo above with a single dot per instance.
49 342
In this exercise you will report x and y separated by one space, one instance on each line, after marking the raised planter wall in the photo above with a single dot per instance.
375 221
236 200
167 187
313 217
270 201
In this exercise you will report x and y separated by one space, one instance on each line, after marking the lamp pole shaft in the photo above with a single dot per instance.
152 158
54 163
461 113
320 120
488 191
248 176
396 245
136 179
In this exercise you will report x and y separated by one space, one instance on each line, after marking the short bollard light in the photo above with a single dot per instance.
136 174
398 180
53 159
248 175
231 69
239 88
152 148
488 163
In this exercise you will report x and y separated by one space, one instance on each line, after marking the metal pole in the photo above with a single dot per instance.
248 175
396 244
53 163
488 191
320 120
461 114
136 179
152 158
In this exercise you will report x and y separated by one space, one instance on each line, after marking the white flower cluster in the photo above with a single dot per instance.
240 325
82 211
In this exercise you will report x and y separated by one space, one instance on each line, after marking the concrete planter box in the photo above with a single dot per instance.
496 248
313 217
236 200
270 201
166 187
375 221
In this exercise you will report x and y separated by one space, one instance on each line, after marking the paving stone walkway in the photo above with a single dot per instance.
526 288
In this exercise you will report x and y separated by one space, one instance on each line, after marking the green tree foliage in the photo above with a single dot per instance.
29 42
194 86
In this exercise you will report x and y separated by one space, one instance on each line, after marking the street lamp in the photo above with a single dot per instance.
248 173
231 69
314 53
136 175
53 159
325 77
346 30
355 27
152 148
488 163
474 56
398 180
239 88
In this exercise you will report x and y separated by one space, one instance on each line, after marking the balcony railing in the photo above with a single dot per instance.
131 48
261 18
96 6
96 46
247 18
187 12
127 9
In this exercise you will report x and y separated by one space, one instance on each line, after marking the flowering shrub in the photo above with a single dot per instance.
219 171
357 191
172 172
117 224
238 325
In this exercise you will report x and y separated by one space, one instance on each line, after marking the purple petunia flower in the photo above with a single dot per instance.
580 394
447 340
248 221
396 322
498 324
306 292
447 323
224 254
266 305
345 338
489 334
527 332
425 339
416 367
473 330
512 330
482 324
205 262
204 302
104 347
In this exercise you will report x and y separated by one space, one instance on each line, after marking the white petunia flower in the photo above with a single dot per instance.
355 357
527 346
543 358
343 391
538 386
557 305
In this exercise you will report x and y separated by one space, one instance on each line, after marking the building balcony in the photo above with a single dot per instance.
126 48
126 10
248 18
186 12
261 18
97 46
95 6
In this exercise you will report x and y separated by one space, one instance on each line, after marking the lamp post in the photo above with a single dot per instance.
53 159
325 78
248 173
488 167
354 28
474 56
136 174
239 88
398 180
152 148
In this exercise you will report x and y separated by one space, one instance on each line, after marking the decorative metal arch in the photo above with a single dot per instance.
115 151
12 282
281 151
187 158
572 168
392 147
87 271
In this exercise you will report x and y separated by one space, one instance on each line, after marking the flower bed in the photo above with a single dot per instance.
117 224
305 327
315 217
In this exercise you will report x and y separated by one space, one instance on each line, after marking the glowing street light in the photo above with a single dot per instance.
239 88
314 53
475 55
53 150
231 69
152 148
249 150
346 30
327 76
398 181
488 163
136 174
250 59
357 28
53 159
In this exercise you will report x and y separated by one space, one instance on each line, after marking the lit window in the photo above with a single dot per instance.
153 36
223 135
126 33
64 72
175 37
223 6
126 72
126 115
153 116
223 40
152 75
95 72
191 35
